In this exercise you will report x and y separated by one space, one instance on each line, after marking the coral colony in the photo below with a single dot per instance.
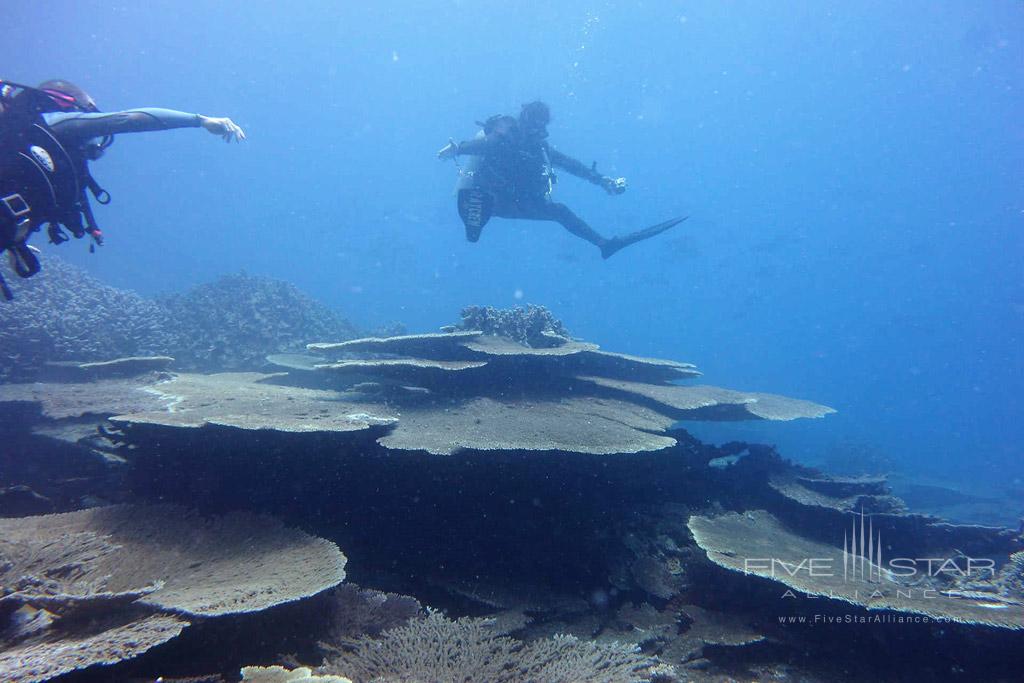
515 505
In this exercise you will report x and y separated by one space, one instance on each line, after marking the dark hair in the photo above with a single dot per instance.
82 98
536 111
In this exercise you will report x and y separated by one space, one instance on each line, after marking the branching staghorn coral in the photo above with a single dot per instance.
435 648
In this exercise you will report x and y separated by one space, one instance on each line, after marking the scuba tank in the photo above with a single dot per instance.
469 168
474 202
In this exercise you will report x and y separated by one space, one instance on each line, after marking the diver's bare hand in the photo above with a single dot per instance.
225 127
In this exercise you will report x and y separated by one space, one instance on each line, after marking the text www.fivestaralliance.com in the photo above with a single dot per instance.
836 619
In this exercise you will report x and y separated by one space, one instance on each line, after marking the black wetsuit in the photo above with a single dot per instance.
44 169
517 171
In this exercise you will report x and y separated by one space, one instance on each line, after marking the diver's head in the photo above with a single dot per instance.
503 125
68 96
534 118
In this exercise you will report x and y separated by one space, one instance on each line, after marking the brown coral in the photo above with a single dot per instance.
756 543
106 584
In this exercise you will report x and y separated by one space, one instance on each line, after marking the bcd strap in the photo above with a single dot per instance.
24 260
17 226
56 233
90 220
101 195
16 206
8 294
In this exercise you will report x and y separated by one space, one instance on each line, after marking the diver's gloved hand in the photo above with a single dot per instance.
613 185
225 127
449 151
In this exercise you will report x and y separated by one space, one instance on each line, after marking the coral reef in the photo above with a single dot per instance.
63 400
279 674
846 494
481 398
464 391
713 403
62 314
233 323
435 648
1015 573
565 395
51 648
357 613
993 588
414 370
247 401
707 628
655 553
518 597
106 584
756 543
533 326
553 566
75 371
431 346
678 634
576 425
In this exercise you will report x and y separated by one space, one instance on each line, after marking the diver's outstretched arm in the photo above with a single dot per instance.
580 170
83 126
478 146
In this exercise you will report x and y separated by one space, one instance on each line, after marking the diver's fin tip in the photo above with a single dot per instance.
613 245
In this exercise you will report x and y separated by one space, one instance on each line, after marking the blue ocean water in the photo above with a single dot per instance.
853 173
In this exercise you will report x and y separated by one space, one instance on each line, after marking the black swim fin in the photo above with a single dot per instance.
616 243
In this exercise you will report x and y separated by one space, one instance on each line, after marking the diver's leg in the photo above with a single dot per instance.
561 213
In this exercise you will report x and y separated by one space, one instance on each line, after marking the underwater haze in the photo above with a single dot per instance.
852 173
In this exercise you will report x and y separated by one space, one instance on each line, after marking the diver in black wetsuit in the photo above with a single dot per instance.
512 177
48 137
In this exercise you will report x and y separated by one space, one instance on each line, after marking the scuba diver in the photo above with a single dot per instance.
511 175
48 136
